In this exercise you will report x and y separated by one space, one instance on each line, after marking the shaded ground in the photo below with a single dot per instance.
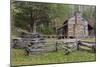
19 58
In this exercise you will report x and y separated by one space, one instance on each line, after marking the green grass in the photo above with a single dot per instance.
89 39
19 58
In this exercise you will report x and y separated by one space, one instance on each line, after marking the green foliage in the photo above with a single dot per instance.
90 14
48 30
27 15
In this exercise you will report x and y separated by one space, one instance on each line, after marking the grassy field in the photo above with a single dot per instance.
93 39
19 58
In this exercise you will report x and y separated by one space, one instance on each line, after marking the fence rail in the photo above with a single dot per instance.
91 45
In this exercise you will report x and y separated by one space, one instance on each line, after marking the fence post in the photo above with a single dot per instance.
78 43
56 47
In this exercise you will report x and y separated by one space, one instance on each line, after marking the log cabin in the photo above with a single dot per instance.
75 26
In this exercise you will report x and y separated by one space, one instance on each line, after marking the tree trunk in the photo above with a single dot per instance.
34 27
31 28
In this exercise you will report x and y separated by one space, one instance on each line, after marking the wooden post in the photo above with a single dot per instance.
93 49
56 46
78 44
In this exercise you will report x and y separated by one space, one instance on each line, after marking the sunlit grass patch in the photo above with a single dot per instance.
19 58
91 39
